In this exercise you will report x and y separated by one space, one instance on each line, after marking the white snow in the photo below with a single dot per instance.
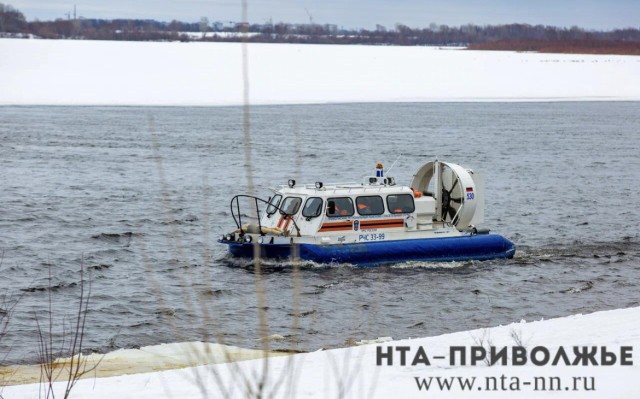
76 72
353 373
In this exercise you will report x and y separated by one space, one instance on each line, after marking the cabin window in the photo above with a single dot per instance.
400 203
338 207
273 204
312 208
370 205
290 205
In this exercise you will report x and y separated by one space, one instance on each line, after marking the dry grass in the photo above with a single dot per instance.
61 343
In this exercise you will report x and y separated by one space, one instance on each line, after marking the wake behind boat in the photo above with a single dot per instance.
374 222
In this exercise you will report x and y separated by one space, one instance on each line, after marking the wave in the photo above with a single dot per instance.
574 290
116 238
54 287
627 247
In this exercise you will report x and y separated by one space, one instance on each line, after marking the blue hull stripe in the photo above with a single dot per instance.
477 247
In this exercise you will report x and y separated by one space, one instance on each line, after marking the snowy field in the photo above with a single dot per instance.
57 72
353 373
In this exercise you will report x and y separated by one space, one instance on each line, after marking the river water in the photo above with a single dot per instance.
137 196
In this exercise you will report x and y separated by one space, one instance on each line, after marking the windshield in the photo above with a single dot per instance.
275 201
312 208
290 205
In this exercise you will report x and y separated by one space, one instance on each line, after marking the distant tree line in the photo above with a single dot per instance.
523 37
586 46
12 20
438 35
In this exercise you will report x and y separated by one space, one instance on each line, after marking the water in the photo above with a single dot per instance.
137 197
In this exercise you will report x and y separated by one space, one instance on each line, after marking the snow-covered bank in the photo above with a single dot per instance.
143 360
353 373
139 73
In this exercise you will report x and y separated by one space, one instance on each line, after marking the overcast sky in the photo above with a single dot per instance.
592 14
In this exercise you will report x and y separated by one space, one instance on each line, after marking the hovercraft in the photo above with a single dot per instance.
371 223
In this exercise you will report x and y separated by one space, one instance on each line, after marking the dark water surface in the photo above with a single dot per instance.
84 186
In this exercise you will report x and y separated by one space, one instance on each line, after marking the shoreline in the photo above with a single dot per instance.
604 329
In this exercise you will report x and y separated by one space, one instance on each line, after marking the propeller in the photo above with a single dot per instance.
448 209
454 190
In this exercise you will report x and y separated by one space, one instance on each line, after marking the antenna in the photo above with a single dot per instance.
394 163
